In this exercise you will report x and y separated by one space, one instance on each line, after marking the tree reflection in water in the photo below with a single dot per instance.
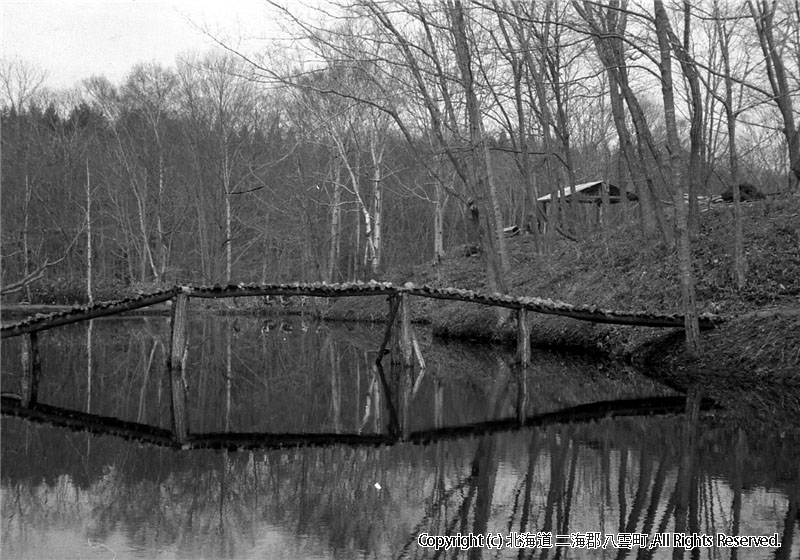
73 494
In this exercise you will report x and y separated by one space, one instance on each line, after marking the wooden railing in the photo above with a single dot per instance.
590 313
399 307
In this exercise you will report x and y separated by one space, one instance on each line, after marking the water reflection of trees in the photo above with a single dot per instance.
610 476
615 475
279 374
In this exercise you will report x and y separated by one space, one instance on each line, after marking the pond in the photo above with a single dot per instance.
366 462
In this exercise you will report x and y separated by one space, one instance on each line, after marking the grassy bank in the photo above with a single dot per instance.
759 348
622 272
752 361
751 366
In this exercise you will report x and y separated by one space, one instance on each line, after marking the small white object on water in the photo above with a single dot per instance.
377 485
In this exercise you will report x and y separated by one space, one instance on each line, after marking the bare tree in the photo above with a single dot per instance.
682 50
484 208
608 29
20 83
673 166
724 34
152 90
135 112
218 96
763 14
412 48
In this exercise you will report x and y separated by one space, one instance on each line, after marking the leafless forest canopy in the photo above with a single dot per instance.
389 133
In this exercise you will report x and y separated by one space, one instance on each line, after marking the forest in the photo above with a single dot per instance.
374 135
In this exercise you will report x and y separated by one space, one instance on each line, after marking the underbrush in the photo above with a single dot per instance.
751 366
59 291
630 273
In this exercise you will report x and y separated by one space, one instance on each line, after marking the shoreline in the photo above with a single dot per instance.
751 362
747 364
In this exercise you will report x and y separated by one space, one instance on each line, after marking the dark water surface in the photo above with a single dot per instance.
68 494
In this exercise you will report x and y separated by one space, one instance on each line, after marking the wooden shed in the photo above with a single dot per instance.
591 192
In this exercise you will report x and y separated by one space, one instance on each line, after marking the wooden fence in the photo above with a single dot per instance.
399 307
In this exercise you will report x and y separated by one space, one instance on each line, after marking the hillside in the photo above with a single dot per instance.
752 361
626 273
629 274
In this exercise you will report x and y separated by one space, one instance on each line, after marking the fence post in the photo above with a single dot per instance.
394 304
523 337
31 366
524 359
176 365
406 342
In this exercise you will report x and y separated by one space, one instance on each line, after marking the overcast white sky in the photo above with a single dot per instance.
73 40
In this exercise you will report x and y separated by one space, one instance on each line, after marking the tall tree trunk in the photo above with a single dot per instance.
485 214
554 187
440 202
525 159
739 262
336 227
521 138
622 183
696 148
376 232
226 185
552 61
369 248
673 163
764 15
377 202
26 257
497 215
607 33
162 246
354 272
147 254
89 293
635 169
203 242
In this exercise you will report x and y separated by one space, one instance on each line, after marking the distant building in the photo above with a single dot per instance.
591 193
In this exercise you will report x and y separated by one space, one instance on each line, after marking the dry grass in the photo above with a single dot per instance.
751 365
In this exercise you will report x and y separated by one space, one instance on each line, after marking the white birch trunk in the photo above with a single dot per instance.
336 227
89 293
25 252
228 219
377 204
162 248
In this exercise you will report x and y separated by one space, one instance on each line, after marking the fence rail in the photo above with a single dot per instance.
590 313
402 339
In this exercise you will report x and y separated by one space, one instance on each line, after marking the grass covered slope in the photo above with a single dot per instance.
751 363
629 273
751 366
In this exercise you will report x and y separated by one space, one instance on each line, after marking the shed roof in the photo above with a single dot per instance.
591 192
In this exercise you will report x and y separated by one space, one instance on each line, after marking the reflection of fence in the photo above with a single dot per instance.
399 311
144 433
